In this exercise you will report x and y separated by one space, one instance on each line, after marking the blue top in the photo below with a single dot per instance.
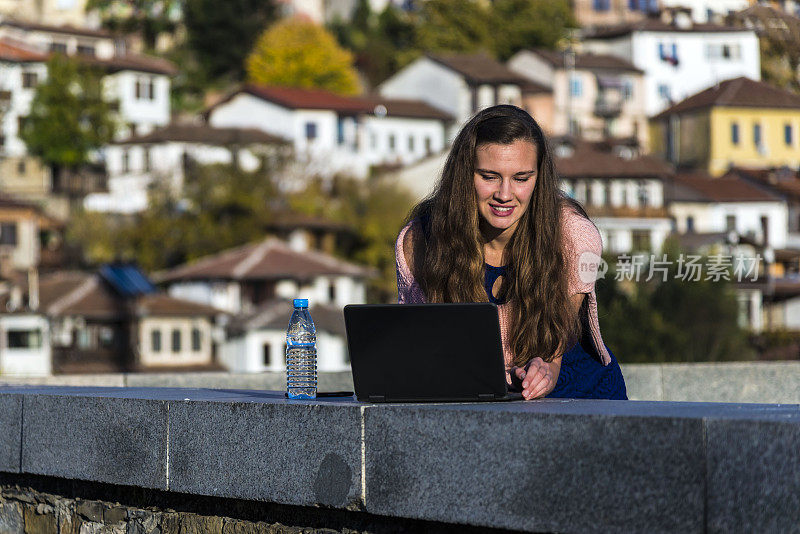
492 274
300 303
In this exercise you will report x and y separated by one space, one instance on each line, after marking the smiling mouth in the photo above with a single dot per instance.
501 211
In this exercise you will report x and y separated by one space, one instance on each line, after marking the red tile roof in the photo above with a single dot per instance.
737 92
479 68
297 98
595 160
587 61
271 259
300 98
18 53
133 62
65 29
87 295
782 181
699 186
205 134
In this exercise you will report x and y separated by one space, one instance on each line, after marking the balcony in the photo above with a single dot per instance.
607 108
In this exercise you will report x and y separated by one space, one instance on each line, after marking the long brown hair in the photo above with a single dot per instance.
448 247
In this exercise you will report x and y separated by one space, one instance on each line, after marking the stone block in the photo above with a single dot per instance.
643 381
114 514
754 475
11 518
267 448
200 524
763 382
98 438
11 423
562 466
90 510
37 523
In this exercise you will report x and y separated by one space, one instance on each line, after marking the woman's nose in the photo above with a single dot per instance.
503 192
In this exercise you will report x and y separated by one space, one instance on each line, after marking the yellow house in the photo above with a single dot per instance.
738 122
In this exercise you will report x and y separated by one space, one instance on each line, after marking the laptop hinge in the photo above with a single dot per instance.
377 398
486 396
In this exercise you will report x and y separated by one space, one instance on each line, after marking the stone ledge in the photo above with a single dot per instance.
555 465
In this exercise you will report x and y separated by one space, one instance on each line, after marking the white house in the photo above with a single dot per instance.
139 84
21 70
137 163
621 190
72 12
25 344
701 204
332 133
595 96
241 279
679 58
256 284
459 84
257 342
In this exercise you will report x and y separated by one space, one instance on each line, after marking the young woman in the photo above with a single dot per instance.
497 228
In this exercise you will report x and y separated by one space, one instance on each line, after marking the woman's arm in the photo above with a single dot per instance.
539 377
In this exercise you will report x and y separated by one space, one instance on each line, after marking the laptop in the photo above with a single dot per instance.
426 353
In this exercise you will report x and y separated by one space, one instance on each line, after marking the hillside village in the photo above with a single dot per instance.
661 124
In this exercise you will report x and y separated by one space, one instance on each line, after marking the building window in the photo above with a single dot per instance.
627 90
311 131
24 339
624 195
411 143
155 340
788 134
606 195
392 142
126 161
84 339
730 223
106 336
21 167
176 340
588 194
428 145
340 131
643 195
601 5
29 79
146 163
664 92
145 88
58 48
197 340
266 352
690 224
8 234
757 134
86 50
575 86
331 292
640 240
735 133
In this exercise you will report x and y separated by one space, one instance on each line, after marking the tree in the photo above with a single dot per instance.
297 53
149 18
69 117
222 33
529 24
672 320
376 209
455 26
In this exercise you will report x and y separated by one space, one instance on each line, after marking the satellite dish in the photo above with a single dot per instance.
380 110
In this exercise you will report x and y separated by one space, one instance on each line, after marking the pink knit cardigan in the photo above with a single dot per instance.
580 237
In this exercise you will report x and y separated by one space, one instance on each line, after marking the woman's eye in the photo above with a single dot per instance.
522 178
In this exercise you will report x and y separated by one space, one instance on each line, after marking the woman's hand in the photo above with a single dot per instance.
540 378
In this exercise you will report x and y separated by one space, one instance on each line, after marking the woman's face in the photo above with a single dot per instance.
504 179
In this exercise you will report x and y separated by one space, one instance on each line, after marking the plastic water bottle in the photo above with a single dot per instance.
301 353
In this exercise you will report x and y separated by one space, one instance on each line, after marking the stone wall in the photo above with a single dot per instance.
553 465
24 510
757 382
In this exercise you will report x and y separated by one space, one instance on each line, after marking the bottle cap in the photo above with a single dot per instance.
301 303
